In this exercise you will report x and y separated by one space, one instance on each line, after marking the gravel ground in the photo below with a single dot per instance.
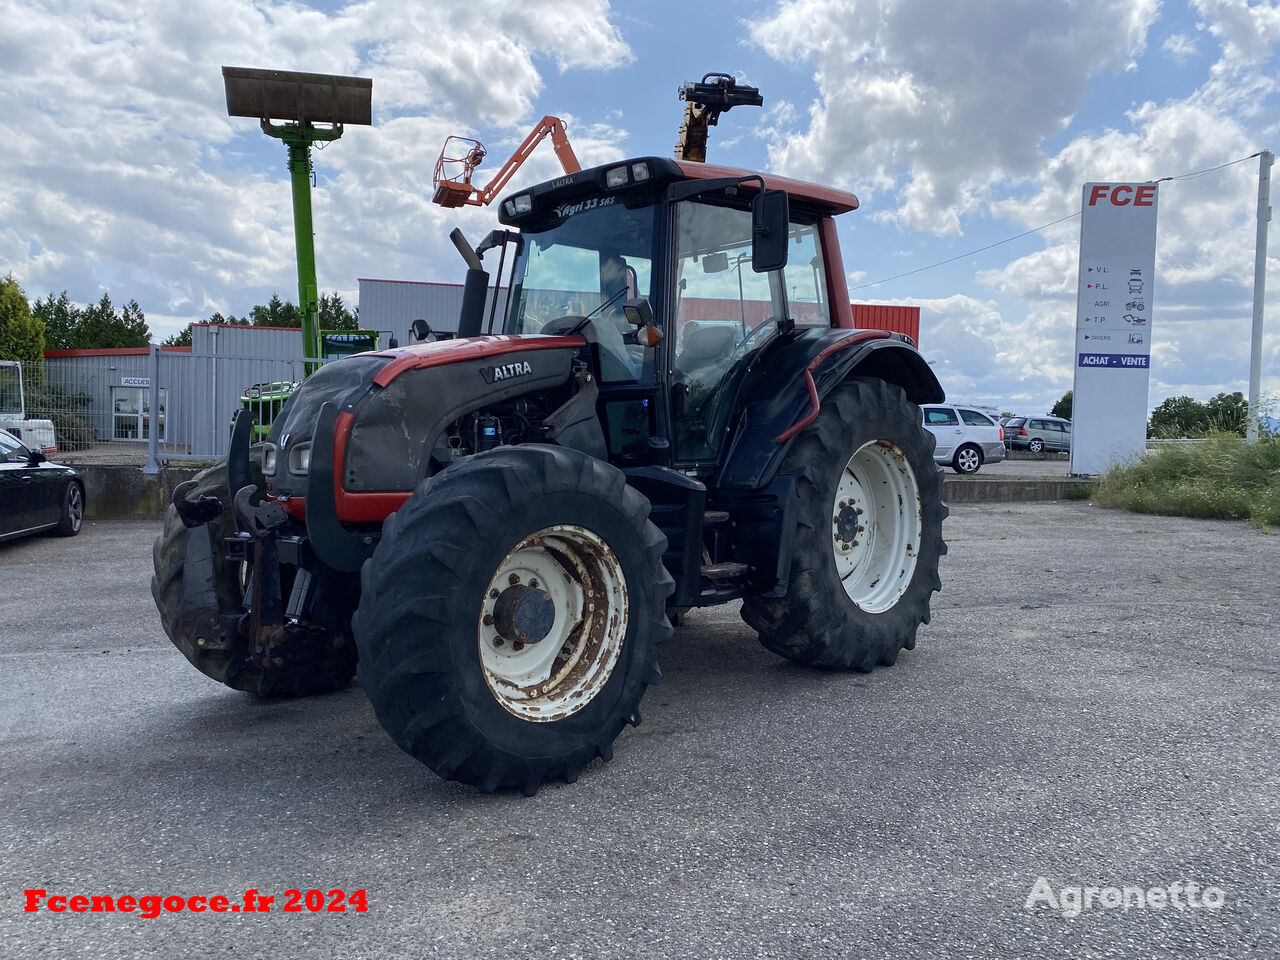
1094 703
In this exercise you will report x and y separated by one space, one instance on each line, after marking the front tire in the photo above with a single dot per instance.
72 511
1036 445
869 536
967 459
318 661
511 616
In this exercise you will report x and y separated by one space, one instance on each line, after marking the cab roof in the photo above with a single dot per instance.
663 171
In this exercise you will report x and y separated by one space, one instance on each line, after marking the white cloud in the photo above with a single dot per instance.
122 170
1180 47
943 100
1247 31
937 115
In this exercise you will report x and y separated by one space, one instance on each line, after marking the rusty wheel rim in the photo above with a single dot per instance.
552 623
876 524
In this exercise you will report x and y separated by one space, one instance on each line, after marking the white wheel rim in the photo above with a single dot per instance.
75 508
968 460
567 581
875 524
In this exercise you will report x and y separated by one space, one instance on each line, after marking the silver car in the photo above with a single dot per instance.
966 438
1039 433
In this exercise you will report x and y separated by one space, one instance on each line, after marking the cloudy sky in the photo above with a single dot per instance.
959 123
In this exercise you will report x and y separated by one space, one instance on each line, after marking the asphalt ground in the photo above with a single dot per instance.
1094 703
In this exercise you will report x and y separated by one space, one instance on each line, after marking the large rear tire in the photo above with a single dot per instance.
317 661
869 535
511 616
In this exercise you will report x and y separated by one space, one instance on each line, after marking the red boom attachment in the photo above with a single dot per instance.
460 157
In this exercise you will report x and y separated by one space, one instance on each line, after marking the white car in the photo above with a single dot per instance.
966 438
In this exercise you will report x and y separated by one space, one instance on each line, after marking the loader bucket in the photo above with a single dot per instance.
301 97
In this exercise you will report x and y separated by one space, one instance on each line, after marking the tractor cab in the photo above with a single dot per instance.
683 278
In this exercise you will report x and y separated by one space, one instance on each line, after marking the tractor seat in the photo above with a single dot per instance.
706 347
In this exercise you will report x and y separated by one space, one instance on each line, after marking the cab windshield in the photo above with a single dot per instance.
591 257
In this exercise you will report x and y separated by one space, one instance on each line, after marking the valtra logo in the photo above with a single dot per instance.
506 371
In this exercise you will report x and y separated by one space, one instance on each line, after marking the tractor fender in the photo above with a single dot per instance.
793 384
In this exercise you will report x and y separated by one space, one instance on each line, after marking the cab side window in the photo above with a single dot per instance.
806 278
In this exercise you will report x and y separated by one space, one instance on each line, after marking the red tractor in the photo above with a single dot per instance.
496 531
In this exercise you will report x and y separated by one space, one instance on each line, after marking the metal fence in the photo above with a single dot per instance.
198 394
68 402
179 404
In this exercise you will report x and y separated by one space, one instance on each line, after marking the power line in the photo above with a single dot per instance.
940 263
1045 226
1201 173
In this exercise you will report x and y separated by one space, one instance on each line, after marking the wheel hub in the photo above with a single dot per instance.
553 620
524 614
847 524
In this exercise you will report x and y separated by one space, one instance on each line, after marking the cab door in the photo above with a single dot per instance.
724 313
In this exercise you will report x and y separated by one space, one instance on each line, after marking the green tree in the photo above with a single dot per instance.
101 326
21 333
183 339
1063 407
276 313
334 314
1228 413
60 318
1178 417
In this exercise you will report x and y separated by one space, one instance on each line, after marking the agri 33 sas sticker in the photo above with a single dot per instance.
567 210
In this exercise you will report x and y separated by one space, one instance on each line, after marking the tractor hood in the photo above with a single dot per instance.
393 405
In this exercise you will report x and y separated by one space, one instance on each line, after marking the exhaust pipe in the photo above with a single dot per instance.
474 290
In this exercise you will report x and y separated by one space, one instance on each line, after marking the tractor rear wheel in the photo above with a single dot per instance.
511 616
869 536
318 662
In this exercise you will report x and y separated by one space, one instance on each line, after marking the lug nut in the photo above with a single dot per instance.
493 594
488 620
498 641
517 646
513 579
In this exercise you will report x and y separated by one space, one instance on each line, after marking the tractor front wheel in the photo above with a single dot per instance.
869 535
511 615
316 661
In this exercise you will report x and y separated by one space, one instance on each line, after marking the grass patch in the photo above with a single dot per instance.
1079 491
1223 478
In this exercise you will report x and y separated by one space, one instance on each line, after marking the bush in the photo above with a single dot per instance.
1222 478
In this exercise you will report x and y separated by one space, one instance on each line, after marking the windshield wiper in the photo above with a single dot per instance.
588 318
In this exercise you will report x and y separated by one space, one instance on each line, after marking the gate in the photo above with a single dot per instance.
196 396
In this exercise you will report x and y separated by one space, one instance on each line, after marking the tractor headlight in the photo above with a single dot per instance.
522 203
617 177
269 454
640 172
300 459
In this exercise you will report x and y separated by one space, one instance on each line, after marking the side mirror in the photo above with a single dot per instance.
421 330
770 214
36 457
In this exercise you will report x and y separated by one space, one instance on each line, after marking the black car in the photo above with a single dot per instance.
37 495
